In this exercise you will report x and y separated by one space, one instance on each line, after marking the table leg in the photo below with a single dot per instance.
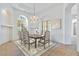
35 43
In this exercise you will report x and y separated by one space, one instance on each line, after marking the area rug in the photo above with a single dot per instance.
34 51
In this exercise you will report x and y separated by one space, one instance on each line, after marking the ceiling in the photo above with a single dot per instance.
39 7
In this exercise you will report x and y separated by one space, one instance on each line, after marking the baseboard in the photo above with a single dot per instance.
5 42
58 42
62 43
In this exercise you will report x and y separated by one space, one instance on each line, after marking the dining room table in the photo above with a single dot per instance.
36 37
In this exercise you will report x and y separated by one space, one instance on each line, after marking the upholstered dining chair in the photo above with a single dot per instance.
20 34
26 39
45 39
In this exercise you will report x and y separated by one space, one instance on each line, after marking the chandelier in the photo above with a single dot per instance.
34 17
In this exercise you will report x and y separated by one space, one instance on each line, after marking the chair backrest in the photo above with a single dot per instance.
20 34
25 33
47 35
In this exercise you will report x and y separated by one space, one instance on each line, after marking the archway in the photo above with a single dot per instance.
68 25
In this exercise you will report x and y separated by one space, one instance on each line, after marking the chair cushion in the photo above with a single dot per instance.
42 41
32 40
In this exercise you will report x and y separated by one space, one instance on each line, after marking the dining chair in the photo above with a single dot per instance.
26 40
45 39
20 36
20 33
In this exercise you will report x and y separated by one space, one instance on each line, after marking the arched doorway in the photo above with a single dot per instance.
69 17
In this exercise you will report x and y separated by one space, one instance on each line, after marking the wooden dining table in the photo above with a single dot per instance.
36 37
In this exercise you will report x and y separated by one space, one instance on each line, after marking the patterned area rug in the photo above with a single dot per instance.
34 51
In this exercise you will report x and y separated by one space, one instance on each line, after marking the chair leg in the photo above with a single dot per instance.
21 41
28 46
49 43
44 46
38 44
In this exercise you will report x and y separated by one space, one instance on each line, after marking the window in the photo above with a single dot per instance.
74 26
22 20
46 25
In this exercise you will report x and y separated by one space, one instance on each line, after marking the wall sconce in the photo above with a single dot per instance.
6 12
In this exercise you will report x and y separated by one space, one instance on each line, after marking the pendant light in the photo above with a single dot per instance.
34 17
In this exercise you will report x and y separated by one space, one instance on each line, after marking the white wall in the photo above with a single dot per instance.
68 23
77 39
5 32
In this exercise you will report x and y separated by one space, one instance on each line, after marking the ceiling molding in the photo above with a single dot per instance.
16 6
48 9
20 9
26 5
